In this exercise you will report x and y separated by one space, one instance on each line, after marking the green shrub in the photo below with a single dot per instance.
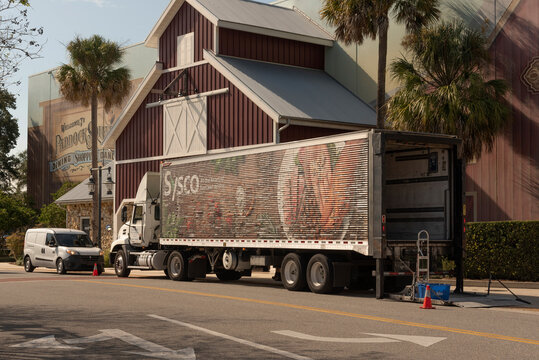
15 243
507 249
106 257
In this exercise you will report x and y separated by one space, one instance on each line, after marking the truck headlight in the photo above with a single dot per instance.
101 253
72 252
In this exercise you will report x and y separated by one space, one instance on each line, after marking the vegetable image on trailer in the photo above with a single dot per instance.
325 212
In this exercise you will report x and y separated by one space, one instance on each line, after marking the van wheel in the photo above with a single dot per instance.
60 269
320 274
177 267
120 264
293 272
28 267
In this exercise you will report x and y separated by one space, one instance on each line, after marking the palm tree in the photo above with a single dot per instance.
357 19
93 75
444 88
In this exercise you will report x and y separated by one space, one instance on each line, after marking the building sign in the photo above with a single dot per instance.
73 140
313 192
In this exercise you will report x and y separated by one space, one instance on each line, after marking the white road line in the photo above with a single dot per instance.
232 338
425 341
302 336
47 342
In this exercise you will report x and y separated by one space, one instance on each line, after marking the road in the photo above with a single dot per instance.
145 316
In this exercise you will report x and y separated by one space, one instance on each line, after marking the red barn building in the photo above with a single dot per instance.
230 74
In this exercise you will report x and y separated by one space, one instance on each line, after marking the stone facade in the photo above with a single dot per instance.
77 211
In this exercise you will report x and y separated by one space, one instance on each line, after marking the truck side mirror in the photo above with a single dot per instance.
124 214
157 214
52 243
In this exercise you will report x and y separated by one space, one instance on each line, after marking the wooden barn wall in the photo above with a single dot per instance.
233 119
267 48
186 20
505 181
128 177
295 132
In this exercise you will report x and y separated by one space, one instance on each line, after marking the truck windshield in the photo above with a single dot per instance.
74 240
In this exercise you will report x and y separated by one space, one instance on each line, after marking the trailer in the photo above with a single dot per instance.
324 212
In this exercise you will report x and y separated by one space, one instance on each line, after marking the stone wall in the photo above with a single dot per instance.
76 211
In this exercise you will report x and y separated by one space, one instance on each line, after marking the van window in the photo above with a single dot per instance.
74 240
49 238
137 214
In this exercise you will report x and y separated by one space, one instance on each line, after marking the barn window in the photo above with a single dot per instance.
184 128
186 49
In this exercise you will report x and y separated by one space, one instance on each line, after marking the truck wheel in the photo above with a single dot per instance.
177 267
28 267
60 269
320 274
120 264
228 275
293 272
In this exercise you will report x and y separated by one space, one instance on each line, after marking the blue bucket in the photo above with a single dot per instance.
437 291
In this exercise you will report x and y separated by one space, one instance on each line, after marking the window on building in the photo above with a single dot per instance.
185 49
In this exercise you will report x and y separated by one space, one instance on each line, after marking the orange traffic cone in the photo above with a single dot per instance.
427 303
95 273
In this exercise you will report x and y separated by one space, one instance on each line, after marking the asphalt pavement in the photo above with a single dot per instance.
145 316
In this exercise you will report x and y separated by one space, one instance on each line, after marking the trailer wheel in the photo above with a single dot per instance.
293 272
120 264
228 275
177 267
320 274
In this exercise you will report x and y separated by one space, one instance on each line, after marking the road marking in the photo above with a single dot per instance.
302 336
425 341
232 338
328 311
152 349
47 342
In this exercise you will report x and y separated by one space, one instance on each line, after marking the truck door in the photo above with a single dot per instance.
136 228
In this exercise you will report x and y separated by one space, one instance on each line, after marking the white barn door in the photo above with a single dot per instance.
185 128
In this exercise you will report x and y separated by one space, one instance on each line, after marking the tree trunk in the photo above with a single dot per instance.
383 25
95 199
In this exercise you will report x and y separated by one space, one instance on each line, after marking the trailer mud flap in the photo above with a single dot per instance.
342 272
196 268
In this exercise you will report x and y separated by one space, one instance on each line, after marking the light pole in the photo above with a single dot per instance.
91 188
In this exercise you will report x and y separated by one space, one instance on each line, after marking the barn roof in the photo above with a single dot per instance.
294 93
249 16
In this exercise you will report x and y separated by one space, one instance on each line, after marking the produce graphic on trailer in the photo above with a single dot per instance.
312 184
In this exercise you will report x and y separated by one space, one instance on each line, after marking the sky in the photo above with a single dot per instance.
126 22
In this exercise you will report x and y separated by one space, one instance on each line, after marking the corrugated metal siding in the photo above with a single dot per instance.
128 177
294 132
186 20
505 179
267 48
301 193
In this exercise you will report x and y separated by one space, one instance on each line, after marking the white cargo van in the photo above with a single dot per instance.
63 249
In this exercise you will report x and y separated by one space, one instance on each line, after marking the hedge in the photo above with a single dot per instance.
507 249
